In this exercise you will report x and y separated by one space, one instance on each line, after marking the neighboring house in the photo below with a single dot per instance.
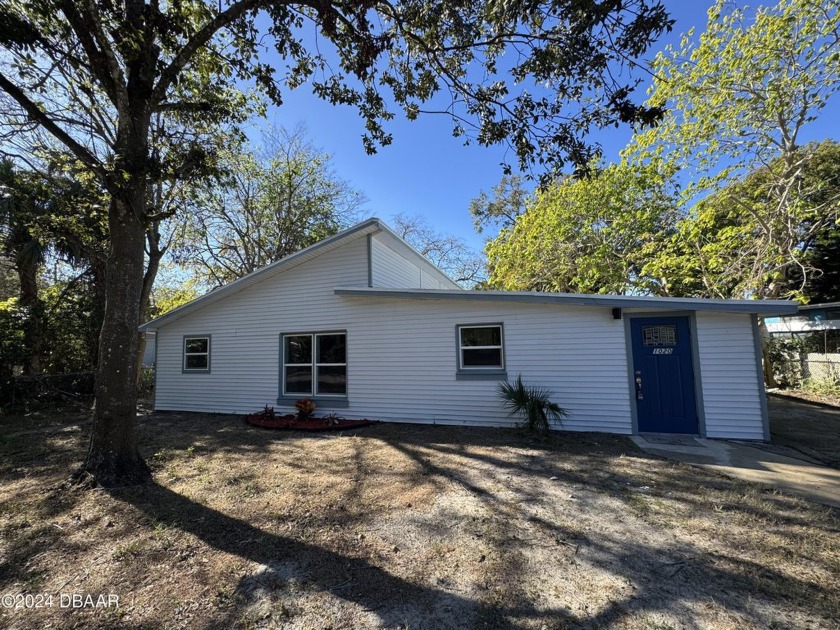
369 328
809 318
818 328
149 351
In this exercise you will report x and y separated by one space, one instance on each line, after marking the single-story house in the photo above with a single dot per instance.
368 328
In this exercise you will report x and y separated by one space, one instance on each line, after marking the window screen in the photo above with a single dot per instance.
196 354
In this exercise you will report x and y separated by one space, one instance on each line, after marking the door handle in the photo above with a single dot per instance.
639 395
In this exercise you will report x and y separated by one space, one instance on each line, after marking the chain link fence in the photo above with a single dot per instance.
807 360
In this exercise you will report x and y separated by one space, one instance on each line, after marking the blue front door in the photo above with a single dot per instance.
663 375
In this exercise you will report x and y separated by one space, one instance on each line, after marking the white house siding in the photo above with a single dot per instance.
731 378
390 270
245 328
401 353
395 266
402 358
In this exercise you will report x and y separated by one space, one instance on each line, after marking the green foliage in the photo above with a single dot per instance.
73 318
824 256
9 285
500 209
828 386
375 56
12 347
785 355
532 404
590 235
738 243
167 298
737 99
738 95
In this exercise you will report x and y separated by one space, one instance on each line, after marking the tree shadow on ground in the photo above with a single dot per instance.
663 576
371 587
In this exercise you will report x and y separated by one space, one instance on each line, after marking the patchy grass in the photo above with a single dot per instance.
402 526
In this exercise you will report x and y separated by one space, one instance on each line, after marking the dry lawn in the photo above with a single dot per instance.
399 526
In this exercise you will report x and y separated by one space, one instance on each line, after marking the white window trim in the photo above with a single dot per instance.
481 368
312 364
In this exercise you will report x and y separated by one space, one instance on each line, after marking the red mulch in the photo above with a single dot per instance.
310 424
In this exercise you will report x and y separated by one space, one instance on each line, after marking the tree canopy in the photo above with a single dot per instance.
589 235
271 200
720 250
737 99
756 210
104 79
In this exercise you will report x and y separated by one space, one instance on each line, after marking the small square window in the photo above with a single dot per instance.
659 336
480 347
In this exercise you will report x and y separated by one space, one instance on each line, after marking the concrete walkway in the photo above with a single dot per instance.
806 479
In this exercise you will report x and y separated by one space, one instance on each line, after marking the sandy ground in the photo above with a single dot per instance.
811 429
399 526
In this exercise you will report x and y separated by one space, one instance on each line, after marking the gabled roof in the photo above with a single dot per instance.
374 225
757 307
360 230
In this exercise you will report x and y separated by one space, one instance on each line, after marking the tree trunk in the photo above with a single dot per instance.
155 253
33 327
98 274
113 458
767 361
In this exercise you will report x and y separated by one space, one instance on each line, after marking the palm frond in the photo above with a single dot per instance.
532 404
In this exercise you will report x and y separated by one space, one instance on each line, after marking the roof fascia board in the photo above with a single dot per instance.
759 307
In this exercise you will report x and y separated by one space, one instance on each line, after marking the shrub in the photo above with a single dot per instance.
305 408
786 358
532 404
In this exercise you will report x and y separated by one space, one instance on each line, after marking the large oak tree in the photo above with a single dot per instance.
536 75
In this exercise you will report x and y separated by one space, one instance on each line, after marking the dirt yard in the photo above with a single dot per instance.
811 429
397 526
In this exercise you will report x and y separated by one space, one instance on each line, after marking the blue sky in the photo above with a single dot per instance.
427 172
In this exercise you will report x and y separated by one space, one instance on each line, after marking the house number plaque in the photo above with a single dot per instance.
663 351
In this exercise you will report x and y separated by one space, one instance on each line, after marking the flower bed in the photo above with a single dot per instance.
292 422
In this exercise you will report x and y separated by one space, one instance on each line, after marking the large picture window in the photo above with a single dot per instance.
315 364
197 354
480 347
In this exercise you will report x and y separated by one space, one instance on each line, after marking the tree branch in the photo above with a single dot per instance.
37 115
204 35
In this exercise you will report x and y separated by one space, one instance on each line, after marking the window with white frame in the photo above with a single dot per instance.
197 354
480 347
315 364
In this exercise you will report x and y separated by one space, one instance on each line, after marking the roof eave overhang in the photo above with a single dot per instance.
755 307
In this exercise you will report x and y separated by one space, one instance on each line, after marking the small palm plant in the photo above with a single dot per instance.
533 405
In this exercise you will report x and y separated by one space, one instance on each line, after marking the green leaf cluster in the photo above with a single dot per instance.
737 96
588 235
532 403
